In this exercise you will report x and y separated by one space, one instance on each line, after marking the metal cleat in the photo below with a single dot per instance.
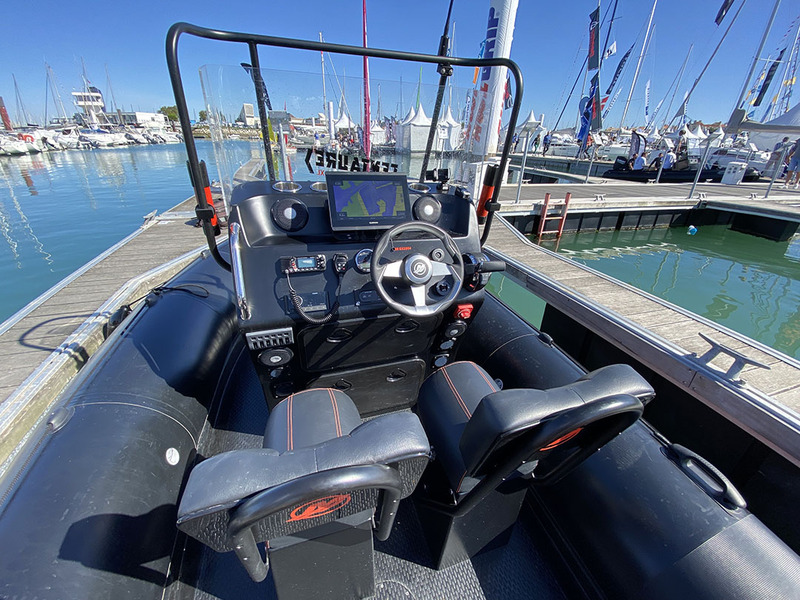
739 359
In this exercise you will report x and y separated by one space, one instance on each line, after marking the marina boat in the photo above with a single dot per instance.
12 146
330 404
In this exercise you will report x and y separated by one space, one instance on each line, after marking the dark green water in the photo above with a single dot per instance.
746 283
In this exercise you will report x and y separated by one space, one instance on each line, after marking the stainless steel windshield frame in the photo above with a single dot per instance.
253 41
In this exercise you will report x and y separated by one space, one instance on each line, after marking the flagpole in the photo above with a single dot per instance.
367 125
758 53
638 65
708 62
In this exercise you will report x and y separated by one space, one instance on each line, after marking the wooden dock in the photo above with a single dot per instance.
669 340
49 340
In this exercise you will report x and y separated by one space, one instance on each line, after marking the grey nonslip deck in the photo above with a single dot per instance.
669 340
58 332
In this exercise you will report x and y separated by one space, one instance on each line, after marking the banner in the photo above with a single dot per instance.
594 39
594 103
612 50
586 118
618 71
647 102
723 11
768 79
487 108
611 104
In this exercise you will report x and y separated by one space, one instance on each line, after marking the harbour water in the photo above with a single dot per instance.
58 210
746 283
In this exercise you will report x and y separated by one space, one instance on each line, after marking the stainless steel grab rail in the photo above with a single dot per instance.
238 273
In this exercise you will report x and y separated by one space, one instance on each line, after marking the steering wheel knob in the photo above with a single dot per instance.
417 269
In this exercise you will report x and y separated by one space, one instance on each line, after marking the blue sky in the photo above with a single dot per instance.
549 45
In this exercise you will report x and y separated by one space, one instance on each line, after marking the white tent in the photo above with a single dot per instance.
413 136
449 132
343 122
418 131
377 134
699 132
402 132
766 141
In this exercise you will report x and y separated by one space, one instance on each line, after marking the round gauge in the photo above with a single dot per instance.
362 260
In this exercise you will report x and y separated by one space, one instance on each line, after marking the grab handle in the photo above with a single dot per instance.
707 476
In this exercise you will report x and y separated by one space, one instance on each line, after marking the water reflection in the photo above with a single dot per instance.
60 209
749 284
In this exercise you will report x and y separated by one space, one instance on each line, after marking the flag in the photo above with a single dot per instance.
610 105
508 100
594 35
618 72
586 117
723 10
612 50
768 79
647 102
594 103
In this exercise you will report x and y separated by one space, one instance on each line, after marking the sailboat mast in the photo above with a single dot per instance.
46 89
367 129
757 54
57 101
324 95
638 64
677 84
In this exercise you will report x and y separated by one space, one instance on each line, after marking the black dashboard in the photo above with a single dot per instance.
303 275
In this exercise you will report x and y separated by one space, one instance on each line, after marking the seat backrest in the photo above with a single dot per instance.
557 428
303 488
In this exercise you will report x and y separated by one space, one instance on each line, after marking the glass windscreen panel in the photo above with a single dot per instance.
311 133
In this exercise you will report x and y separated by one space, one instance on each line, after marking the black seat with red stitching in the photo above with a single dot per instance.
321 472
484 437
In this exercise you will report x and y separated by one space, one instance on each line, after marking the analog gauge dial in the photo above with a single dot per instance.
363 259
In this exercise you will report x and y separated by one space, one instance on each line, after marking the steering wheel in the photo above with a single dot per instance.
418 272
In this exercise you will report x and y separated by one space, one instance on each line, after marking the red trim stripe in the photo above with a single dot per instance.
455 393
335 413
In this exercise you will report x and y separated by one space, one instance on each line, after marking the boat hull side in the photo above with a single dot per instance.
90 513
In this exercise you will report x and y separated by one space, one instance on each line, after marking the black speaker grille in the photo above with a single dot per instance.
290 214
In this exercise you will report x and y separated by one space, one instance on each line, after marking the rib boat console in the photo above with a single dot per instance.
354 282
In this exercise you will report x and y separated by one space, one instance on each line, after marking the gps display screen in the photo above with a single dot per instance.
367 200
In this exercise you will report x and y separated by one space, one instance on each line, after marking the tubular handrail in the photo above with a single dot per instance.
309 488
252 41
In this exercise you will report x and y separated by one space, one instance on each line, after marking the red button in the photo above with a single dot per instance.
463 311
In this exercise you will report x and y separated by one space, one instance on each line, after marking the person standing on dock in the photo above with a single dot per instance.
536 143
681 147
630 165
793 157
772 163
546 142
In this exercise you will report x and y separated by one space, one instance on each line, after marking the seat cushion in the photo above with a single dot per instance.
309 418
447 400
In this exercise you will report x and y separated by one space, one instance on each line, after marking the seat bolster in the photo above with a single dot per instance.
310 417
507 412
612 380
397 438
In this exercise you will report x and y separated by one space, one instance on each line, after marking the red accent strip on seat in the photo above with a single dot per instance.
335 413
456 394
482 373
289 419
